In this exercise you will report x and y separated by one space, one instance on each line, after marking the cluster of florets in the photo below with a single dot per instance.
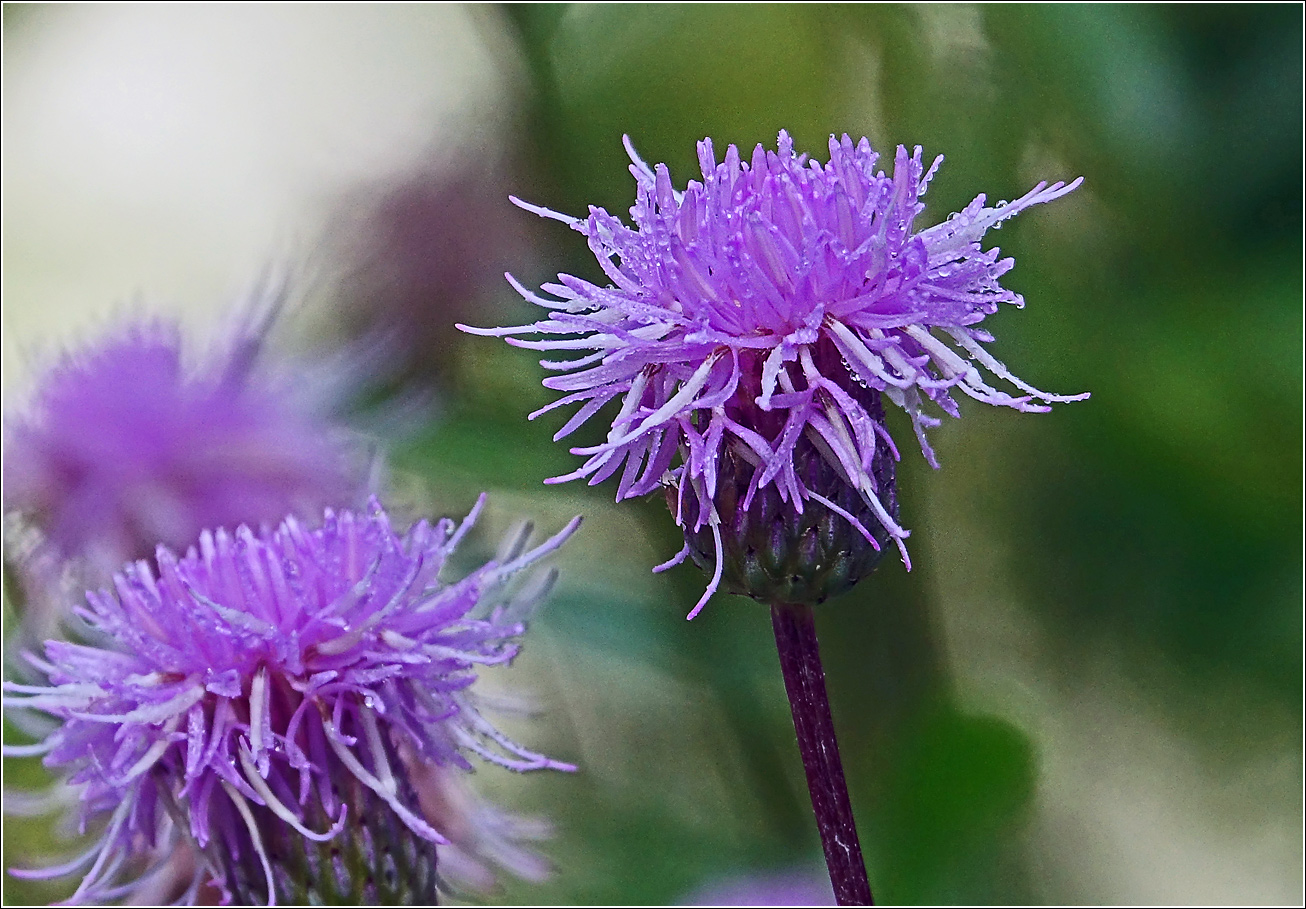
277 681
760 313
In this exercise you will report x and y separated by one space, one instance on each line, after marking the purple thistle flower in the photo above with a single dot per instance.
124 447
753 323
262 698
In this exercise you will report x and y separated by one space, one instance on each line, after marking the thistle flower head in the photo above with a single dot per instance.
761 313
125 446
262 697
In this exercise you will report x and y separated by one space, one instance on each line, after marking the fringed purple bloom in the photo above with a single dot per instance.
125 446
759 315
274 698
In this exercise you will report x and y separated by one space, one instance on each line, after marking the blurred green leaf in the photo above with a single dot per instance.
959 787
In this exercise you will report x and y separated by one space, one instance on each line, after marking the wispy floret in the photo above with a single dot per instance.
486 841
761 313
263 697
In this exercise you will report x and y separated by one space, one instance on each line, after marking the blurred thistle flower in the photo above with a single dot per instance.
414 255
124 446
754 322
793 888
263 697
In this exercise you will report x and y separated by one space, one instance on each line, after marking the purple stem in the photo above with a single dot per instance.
800 661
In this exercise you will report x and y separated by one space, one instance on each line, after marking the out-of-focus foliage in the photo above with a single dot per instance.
1147 541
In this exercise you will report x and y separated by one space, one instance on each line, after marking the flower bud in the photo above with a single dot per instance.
775 554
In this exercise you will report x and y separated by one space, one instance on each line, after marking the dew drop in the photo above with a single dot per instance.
367 702
853 374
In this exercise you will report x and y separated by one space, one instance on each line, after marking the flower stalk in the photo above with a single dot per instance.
800 663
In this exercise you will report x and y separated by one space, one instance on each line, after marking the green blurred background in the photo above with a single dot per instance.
1089 689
